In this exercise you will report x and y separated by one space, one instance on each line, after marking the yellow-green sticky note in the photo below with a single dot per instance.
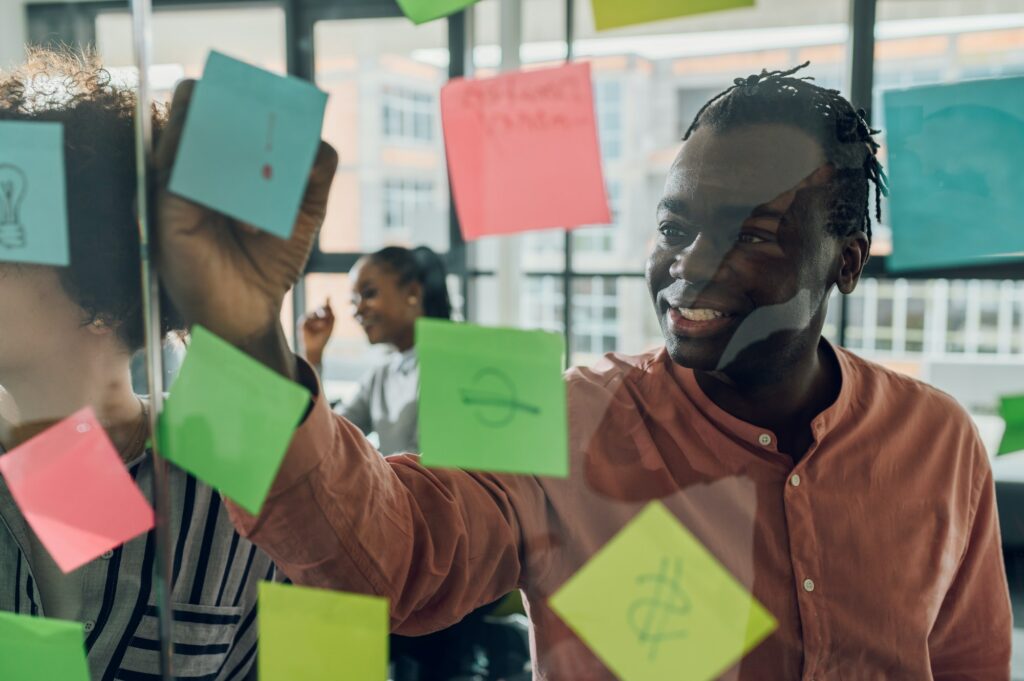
41 649
654 604
1012 411
492 399
617 13
228 419
422 11
318 635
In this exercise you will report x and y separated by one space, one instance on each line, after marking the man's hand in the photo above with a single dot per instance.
225 275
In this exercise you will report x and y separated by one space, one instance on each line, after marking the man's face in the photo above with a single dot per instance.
743 264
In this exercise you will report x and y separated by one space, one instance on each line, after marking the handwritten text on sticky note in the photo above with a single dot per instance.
523 151
654 601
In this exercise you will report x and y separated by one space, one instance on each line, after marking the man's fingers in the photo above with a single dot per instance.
322 176
170 139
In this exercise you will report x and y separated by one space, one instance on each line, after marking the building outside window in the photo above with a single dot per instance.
595 315
408 114
408 204
608 107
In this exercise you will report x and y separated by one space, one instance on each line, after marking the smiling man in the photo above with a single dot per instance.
856 504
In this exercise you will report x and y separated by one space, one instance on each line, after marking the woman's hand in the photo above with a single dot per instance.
316 331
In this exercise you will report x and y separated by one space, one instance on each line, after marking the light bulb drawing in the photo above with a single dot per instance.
13 186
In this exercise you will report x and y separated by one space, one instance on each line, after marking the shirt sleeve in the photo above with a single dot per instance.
437 543
357 411
971 637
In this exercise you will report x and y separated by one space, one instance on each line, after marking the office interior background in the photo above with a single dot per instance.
959 329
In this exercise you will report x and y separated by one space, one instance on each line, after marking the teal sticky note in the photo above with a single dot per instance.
33 195
492 399
422 11
228 419
1011 408
957 181
41 649
249 143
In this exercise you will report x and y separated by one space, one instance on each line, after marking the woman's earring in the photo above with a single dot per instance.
413 300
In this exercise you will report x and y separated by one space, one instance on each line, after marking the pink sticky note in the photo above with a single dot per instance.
75 492
523 151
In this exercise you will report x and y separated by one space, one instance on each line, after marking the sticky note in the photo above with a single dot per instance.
228 419
319 635
654 602
1012 411
491 399
33 194
422 11
956 180
75 492
523 151
41 649
249 144
617 13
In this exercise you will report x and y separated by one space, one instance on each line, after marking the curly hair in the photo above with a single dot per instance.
97 114
841 130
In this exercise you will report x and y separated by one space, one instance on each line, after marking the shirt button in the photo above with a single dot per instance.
808 585
89 626
795 480
107 555
765 439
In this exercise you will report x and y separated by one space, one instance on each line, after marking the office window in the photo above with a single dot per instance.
595 315
407 204
542 303
608 106
408 115
601 239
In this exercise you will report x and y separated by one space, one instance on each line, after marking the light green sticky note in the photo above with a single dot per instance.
1012 411
492 399
617 13
655 604
422 11
318 635
41 649
228 419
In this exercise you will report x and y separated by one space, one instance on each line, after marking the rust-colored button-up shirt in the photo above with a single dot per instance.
878 552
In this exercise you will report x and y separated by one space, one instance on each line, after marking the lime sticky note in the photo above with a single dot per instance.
422 11
523 151
33 194
955 172
616 13
655 604
319 635
492 399
228 419
41 649
1012 411
249 143
75 492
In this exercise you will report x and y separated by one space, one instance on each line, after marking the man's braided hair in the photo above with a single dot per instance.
843 132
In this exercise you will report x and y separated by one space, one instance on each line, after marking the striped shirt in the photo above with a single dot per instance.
215 578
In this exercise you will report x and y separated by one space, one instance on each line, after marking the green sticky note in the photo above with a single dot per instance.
41 649
617 13
655 604
491 399
1012 411
250 140
955 172
33 195
228 419
422 11
319 635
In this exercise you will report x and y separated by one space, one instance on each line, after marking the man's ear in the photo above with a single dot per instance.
853 256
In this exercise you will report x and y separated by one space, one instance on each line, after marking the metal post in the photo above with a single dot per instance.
570 37
861 77
510 247
143 39
461 40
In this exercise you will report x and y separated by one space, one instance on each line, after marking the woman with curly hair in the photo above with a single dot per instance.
68 337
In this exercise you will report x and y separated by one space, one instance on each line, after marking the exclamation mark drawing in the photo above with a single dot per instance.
268 170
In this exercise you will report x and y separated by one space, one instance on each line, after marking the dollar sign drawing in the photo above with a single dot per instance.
652 618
